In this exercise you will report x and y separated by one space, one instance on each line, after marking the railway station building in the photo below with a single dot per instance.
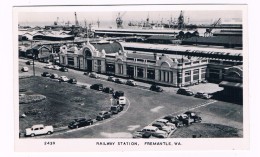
111 58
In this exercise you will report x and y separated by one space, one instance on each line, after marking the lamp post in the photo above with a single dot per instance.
33 56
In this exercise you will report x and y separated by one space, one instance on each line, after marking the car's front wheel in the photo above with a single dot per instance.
48 132
32 135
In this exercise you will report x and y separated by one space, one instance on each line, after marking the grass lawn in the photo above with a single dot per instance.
63 102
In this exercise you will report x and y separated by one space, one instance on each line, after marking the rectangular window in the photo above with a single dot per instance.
130 71
203 76
196 62
195 71
151 74
187 73
140 72
110 68
187 79
120 68
130 59
71 61
140 60
188 63
203 70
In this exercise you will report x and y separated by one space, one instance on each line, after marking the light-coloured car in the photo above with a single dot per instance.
167 123
155 131
38 130
140 134
25 69
121 100
162 127
203 95
63 79
94 75
48 66
111 78
56 67
131 83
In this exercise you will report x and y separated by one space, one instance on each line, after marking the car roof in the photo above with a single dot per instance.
183 88
162 120
38 125
157 123
150 127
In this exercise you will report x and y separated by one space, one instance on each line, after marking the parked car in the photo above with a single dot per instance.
64 69
141 134
63 79
155 131
29 62
162 127
174 120
38 130
121 100
72 81
194 116
156 88
203 95
94 75
131 83
56 67
103 115
119 81
54 76
108 90
185 119
46 74
118 94
48 66
25 69
81 122
185 91
111 78
204 81
167 123
98 86
116 109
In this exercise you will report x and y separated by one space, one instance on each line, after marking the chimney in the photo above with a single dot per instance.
156 57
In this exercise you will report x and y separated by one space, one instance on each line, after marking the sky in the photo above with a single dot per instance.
109 16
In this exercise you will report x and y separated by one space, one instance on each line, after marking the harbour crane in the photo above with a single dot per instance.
209 30
119 20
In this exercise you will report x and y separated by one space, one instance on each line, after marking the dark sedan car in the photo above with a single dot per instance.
108 90
98 86
64 69
156 88
29 63
77 123
72 81
185 91
46 74
174 120
119 81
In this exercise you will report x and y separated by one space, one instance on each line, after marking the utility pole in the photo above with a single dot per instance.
33 55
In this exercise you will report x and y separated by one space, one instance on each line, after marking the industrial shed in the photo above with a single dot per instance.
226 41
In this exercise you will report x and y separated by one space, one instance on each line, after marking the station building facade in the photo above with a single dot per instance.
110 58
